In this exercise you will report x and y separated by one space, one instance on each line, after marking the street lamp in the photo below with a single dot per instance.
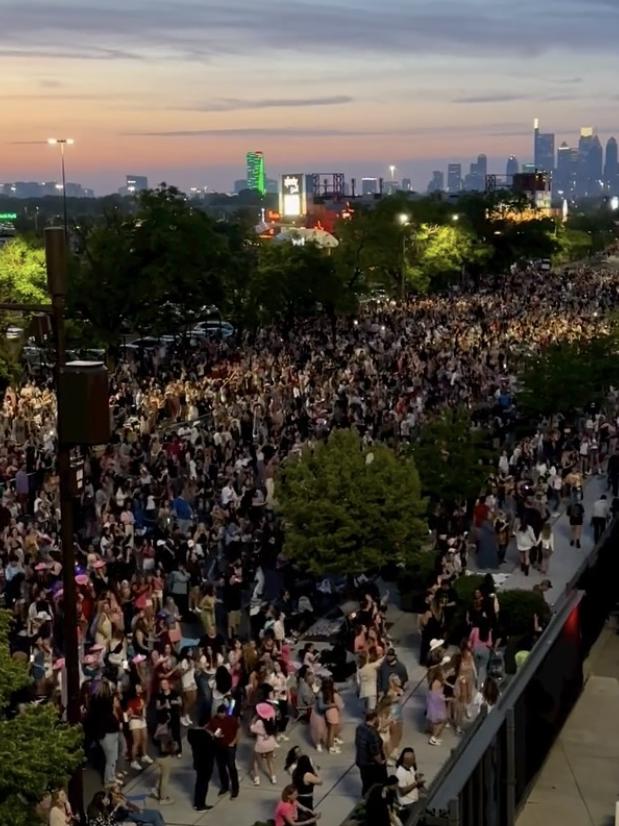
403 220
82 416
62 142
455 217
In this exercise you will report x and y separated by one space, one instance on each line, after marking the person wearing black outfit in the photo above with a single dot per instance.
305 779
169 705
369 753
203 750
613 472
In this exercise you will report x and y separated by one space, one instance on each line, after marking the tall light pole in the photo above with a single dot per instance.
392 171
62 142
404 220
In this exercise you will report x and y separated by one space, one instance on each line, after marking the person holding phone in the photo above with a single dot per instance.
224 727
410 781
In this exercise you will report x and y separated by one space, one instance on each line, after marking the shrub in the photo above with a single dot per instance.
415 579
518 609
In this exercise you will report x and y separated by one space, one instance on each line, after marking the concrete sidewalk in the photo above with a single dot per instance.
341 784
579 783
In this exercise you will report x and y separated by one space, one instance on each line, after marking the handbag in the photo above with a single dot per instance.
162 731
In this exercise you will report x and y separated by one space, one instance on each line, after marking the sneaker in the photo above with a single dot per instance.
273 779
153 793
135 765
146 759
434 741
338 741
256 780
284 737
319 747
335 750
578 543
166 801
185 721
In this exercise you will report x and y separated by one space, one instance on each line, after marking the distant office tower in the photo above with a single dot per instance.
611 168
437 182
543 149
240 185
407 185
136 183
512 168
369 186
564 181
391 187
272 185
256 176
590 161
454 178
475 181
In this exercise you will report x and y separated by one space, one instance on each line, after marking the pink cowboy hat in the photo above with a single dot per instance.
266 711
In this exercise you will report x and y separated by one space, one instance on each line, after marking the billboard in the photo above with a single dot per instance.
292 195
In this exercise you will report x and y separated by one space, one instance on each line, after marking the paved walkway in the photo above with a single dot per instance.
579 783
341 784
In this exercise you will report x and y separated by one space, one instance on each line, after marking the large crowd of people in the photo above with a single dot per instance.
189 613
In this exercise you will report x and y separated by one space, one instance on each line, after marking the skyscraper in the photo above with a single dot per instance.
437 183
590 161
475 181
454 178
512 168
137 183
611 168
564 181
256 176
543 149
369 186
407 185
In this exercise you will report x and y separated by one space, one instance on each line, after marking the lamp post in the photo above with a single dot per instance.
62 142
404 220
82 418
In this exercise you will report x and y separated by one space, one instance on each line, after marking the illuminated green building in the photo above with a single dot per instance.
256 177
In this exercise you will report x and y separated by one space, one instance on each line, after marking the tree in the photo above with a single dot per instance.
22 272
437 254
567 376
295 282
572 245
37 751
151 271
452 457
348 508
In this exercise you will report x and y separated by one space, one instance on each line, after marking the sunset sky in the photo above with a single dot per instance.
180 90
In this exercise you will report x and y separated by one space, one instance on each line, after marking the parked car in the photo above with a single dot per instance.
212 329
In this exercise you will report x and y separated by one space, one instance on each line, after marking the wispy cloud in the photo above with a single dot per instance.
202 29
237 105
51 53
489 98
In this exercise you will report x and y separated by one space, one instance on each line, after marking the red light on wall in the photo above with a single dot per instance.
572 624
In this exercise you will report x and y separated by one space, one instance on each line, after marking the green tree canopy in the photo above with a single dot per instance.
293 282
453 458
37 751
349 508
567 376
436 255
22 271
151 271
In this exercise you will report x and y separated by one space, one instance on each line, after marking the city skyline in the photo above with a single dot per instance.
182 92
